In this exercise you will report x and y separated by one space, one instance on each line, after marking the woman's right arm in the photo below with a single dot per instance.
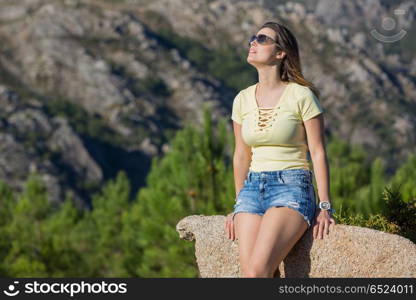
241 159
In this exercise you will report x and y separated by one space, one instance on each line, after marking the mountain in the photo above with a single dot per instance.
88 88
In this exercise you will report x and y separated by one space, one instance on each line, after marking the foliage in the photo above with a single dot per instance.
191 179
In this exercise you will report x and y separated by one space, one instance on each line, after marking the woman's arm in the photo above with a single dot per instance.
241 158
316 143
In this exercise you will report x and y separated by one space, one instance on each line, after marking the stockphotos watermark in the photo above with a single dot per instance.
389 25
71 289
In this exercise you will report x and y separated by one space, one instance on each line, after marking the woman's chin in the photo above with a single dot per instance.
253 61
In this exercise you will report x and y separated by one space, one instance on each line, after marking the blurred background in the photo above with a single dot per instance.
115 123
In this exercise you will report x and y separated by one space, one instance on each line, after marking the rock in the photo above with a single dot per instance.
359 40
348 251
29 139
16 162
74 153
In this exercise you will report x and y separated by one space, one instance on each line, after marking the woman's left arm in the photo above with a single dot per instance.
316 143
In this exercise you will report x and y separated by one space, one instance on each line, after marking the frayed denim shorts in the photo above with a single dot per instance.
291 188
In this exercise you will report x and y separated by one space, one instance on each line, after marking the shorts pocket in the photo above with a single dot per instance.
297 179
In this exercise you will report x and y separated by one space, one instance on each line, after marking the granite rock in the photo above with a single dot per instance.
348 251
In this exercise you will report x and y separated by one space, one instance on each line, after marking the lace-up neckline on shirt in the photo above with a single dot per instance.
265 116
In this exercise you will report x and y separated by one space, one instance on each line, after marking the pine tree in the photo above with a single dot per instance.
405 176
7 207
376 186
192 178
36 237
25 255
100 232
349 176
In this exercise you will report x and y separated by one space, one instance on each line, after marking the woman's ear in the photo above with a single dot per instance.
280 54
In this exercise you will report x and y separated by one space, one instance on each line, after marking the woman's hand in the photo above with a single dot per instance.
322 222
229 226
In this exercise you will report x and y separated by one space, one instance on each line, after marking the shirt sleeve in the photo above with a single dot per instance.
236 113
309 106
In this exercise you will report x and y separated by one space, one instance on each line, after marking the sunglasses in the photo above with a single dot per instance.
262 39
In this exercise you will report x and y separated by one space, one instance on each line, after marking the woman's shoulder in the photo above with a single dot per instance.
300 90
244 94
301 94
248 90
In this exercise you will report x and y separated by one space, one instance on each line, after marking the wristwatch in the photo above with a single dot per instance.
325 205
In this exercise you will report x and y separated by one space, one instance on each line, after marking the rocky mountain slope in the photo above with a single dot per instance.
90 87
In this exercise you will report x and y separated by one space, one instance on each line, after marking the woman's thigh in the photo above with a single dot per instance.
280 229
246 227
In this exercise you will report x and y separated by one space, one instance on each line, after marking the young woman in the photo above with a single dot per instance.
276 122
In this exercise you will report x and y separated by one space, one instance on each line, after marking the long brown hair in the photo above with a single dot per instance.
290 69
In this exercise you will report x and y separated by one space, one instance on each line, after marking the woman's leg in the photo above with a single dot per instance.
280 229
246 226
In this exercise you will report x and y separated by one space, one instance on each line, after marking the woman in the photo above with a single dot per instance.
276 122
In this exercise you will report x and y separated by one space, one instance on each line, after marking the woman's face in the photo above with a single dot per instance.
265 54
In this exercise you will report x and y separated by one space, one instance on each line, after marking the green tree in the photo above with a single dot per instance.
99 232
349 173
61 254
193 178
405 177
36 235
377 182
7 207
25 254
399 212
369 197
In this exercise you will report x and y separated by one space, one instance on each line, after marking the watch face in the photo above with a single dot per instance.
324 205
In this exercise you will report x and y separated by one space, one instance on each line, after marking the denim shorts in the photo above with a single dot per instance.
291 188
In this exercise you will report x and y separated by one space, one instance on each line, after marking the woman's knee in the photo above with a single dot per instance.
258 272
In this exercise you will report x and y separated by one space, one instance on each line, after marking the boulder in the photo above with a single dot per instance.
348 251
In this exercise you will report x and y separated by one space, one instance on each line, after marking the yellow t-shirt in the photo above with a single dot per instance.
276 135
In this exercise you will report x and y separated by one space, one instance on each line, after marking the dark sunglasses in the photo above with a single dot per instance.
262 39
